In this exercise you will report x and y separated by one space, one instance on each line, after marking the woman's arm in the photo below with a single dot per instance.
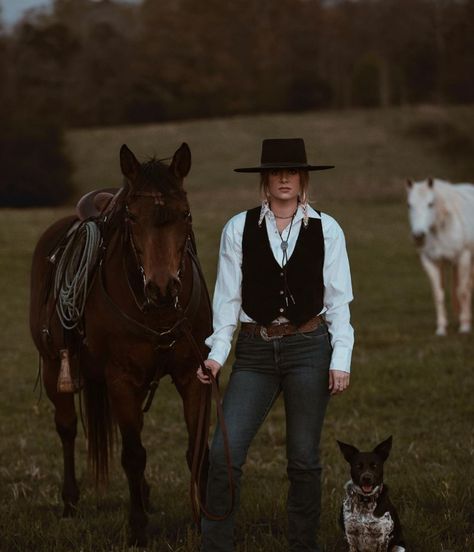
337 296
227 299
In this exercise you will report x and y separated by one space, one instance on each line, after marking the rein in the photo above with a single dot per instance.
202 431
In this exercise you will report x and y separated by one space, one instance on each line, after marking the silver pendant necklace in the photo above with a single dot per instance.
284 243
284 261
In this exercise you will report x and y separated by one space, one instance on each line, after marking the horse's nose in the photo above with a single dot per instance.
156 297
152 292
174 287
419 238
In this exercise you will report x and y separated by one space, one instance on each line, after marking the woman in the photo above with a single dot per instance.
283 272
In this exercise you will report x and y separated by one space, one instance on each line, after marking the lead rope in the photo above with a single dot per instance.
202 435
73 271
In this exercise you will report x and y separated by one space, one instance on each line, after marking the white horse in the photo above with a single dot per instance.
442 224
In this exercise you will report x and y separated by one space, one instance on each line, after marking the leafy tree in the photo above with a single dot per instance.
35 168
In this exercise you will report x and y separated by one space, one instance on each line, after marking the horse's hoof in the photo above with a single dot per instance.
465 329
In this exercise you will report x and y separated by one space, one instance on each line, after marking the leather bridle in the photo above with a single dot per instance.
158 200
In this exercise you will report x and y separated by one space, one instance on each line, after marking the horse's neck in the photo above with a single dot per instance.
446 241
447 201
187 279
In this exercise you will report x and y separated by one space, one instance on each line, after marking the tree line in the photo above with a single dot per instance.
109 62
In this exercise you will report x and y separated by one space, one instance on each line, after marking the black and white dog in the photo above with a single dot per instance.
369 519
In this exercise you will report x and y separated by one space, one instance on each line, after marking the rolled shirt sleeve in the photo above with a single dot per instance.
337 294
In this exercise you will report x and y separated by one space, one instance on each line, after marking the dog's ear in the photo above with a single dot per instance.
383 449
348 451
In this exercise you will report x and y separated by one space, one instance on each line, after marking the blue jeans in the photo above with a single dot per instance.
298 366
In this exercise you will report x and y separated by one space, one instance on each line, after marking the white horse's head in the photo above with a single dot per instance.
422 209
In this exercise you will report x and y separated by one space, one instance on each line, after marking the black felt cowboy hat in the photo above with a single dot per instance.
284 153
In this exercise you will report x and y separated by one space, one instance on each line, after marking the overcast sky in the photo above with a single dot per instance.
12 10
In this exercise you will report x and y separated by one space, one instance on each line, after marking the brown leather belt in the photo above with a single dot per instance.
275 331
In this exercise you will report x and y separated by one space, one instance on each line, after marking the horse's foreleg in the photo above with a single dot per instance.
128 414
195 395
464 290
454 291
66 426
434 272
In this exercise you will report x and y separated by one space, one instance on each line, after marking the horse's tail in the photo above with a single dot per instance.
100 429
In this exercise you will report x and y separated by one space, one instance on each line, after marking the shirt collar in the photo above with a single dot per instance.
265 211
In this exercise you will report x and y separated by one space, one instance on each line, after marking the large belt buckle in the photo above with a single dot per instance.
264 335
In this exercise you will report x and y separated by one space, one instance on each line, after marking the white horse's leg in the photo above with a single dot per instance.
464 290
454 291
434 271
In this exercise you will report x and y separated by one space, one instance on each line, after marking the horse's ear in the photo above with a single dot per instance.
409 183
383 449
430 181
128 163
348 451
181 163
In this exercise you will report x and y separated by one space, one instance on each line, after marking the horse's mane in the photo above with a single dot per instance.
158 178
158 175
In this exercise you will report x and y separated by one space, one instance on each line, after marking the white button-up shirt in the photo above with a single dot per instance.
227 302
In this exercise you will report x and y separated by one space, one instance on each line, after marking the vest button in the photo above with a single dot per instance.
281 292
282 309
282 274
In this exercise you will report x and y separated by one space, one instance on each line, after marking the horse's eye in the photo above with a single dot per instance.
431 204
187 214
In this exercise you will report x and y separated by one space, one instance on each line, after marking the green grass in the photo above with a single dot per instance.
406 382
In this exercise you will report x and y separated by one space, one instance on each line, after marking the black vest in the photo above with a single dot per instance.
264 294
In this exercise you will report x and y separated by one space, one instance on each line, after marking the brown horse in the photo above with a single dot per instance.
146 309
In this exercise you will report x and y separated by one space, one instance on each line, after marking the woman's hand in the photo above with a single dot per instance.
211 365
338 381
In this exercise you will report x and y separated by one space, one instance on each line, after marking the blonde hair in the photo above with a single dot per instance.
304 185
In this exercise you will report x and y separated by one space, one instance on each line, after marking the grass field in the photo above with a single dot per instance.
406 382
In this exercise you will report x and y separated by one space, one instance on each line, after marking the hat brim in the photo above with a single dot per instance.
302 166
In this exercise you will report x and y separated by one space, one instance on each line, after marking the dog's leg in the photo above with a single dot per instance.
464 290
434 272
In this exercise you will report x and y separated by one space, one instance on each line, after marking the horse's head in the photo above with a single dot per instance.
422 209
159 221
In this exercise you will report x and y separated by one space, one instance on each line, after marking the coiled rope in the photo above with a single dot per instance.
71 283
